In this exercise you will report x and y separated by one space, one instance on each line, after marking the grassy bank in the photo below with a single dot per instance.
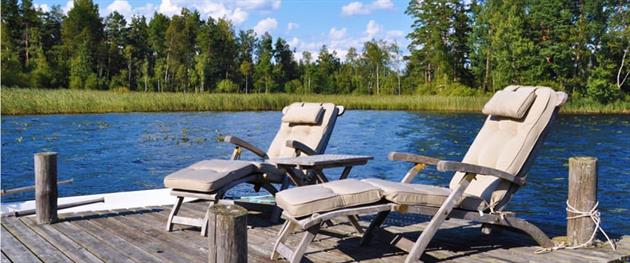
38 101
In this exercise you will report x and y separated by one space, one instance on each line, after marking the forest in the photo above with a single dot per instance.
458 48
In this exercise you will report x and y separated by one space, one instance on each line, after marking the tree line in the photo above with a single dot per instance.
456 48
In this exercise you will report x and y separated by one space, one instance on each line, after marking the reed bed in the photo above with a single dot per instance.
40 101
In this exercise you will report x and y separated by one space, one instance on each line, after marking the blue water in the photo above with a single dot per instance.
134 151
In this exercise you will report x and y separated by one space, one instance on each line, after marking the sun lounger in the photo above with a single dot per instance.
494 167
305 129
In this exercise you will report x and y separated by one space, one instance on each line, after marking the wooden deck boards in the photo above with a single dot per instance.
137 235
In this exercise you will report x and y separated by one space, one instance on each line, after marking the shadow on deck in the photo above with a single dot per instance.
138 235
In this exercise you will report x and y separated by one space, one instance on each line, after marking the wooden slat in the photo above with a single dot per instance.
37 244
14 249
183 249
70 248
4 258
90 242
113 240
148 243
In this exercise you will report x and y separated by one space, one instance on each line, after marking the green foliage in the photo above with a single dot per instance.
294 86
600 86
227 86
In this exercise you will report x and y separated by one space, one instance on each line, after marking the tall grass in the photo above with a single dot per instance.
40 101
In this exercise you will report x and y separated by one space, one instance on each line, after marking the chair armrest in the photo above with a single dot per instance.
414 158
444 166
242 143
298 146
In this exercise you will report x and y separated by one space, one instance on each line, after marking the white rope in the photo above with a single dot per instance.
595 216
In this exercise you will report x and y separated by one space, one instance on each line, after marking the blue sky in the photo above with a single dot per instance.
306 25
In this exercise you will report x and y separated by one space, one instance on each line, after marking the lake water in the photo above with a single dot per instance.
134 151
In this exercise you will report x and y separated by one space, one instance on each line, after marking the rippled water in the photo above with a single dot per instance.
133 151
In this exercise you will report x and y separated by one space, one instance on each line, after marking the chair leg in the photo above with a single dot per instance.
204 224
376 223
427 234
169 222
284 233
308 237
354 220
276 211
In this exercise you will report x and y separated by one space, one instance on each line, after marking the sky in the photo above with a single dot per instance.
305 24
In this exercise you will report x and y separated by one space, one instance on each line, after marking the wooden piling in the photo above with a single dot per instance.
582 196
227 234
46 187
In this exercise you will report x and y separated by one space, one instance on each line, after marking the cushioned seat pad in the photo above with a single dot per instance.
306 200
209 175
421 194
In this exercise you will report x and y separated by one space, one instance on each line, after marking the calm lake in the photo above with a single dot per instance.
134 151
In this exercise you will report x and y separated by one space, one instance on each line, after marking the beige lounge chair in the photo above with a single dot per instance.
494 167
305 129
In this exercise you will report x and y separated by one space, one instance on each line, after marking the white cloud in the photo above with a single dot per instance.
238 16
358 8
236 11
393 34
259 4
354 8
265 25
294 42
382 4
146 10
292 26
372 29
121 6
69 5
337 33
43 7
169 8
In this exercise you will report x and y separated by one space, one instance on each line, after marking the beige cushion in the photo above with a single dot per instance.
306 200
511 102
421 194
506 144
208 175
315 136
303 114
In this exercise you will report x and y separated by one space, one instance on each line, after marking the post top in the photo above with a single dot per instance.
46 153
228 209
583 158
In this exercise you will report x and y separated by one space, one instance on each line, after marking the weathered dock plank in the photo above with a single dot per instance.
148 243
74 251
106 236
35 243
138 235
91 243
14 249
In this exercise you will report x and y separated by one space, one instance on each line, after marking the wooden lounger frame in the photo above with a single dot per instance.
448 209
257 179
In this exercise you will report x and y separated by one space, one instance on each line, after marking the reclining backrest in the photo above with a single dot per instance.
308 123
518 119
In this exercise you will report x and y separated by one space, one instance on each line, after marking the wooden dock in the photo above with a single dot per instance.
137 235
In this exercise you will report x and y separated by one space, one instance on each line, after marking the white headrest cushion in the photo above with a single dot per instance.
303 114
512 102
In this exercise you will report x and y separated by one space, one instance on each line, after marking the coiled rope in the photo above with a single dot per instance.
595 215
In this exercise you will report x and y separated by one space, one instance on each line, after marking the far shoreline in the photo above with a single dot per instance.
19 102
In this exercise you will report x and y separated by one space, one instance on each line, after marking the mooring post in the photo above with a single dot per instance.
46 187
582 197
227 234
